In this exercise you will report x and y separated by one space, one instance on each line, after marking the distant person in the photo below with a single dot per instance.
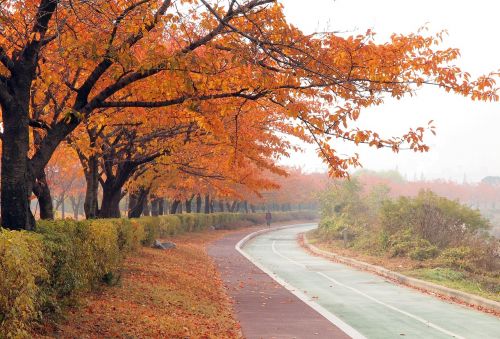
268 218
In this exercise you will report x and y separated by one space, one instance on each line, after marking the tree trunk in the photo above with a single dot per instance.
173 207
110 207
245 206
91 204
17 179
155 207
198 203
137 201
16 170
63 208
146 210
75 205
188 204
42 192
161 206
221 206
207 204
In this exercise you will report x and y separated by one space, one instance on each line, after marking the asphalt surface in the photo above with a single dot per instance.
264 308
361 303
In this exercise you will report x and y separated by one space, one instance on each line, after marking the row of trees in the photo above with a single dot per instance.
66 182
482 195
183 97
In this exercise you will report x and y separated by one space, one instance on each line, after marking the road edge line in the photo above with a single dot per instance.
343 326
455 295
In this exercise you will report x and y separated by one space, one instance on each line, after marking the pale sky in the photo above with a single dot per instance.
468 138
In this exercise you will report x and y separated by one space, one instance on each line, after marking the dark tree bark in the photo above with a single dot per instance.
212 206
161 206
91 203
245 206
132 202
189 204
117 173
198 203
221 206
207 204
15 92
111 196
174 206
137 200
252 208
17 179
42 192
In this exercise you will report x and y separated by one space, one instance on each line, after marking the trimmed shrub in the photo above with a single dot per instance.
79 256
42 271
130 235
22 269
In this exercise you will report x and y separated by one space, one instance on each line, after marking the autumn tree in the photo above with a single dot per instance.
221 156
296 190
65 177
86 57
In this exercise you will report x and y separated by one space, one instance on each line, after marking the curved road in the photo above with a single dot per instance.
360 303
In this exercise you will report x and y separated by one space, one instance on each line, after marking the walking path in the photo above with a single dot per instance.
363 304
264 308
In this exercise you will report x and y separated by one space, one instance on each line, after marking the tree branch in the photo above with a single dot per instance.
5 59
43 16
38 124
155 104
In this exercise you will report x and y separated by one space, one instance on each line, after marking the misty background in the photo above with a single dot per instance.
466 144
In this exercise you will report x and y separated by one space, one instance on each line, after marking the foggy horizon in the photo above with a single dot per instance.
466 130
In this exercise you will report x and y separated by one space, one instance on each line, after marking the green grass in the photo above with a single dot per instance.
462 281
486 286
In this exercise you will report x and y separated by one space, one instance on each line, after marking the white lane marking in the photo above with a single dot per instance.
350 331
426 322
275 251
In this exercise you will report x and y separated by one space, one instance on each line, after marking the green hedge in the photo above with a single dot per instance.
42 271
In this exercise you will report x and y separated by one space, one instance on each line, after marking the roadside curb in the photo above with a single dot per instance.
454 295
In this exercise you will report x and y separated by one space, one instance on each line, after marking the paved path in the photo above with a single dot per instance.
264 308
372 306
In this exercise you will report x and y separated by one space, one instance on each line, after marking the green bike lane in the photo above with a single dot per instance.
361 303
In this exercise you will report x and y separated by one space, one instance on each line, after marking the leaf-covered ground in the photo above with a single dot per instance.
161 294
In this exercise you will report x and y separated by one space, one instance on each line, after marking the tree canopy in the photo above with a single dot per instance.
193 92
